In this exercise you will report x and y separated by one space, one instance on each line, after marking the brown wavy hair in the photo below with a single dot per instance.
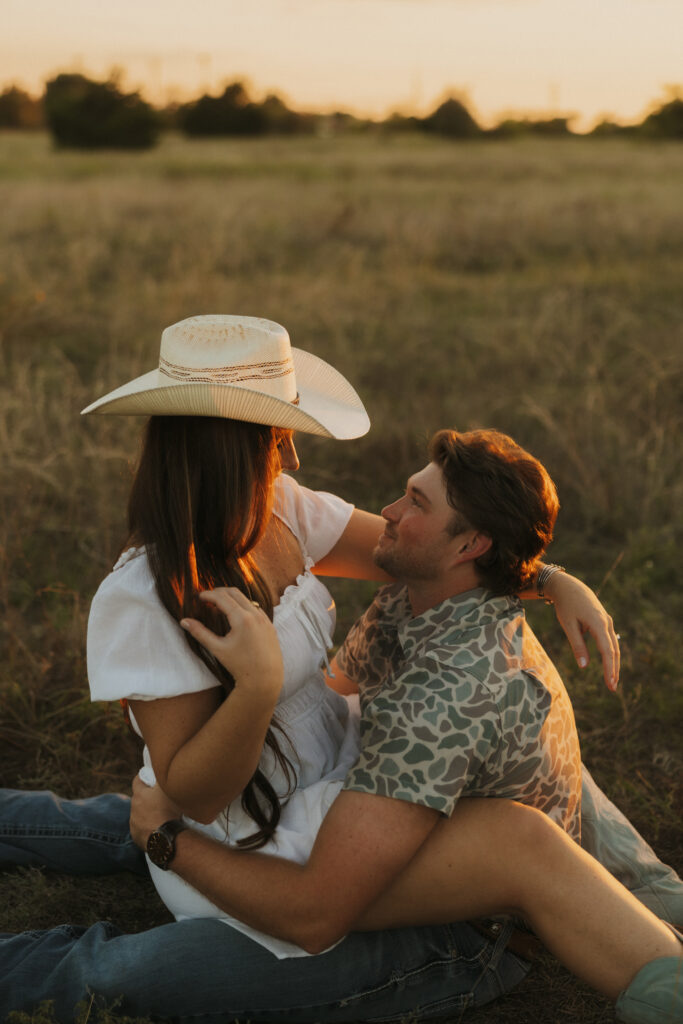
497 487
200 502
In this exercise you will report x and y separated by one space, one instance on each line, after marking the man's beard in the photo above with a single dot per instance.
383 560
403 566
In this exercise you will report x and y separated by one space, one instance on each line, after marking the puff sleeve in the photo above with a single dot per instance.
136 650
316 518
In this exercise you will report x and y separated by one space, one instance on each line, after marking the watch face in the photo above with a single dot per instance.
159 849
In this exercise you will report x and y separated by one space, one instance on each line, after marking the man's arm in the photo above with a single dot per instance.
363 844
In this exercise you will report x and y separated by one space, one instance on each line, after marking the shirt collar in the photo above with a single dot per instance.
448 620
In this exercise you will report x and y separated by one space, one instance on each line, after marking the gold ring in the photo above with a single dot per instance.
256 604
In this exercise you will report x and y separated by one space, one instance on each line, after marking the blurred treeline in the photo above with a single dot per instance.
86 114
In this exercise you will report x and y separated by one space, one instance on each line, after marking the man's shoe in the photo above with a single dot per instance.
655 996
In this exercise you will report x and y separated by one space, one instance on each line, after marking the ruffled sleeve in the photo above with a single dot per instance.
136 650
316 518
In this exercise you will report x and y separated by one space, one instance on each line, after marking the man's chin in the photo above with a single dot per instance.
383 560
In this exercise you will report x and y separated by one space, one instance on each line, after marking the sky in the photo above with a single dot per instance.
592 58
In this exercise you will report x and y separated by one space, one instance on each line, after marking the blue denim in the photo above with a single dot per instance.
611 838
203 971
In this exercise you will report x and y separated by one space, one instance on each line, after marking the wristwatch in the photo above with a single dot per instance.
161 843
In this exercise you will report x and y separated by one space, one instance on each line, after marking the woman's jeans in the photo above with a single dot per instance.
203 970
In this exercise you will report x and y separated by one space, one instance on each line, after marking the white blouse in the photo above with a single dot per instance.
136 650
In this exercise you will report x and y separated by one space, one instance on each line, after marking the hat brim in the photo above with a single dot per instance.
327 405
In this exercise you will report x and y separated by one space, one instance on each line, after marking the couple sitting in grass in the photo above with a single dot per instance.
312 879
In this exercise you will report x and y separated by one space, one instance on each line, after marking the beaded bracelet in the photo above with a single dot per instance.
542 578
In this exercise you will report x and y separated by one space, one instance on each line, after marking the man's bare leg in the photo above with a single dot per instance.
495 855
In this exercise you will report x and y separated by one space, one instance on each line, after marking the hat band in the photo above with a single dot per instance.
227 374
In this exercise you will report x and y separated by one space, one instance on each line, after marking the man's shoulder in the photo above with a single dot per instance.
490 638
497 657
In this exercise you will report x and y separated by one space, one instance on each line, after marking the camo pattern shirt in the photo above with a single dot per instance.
461 701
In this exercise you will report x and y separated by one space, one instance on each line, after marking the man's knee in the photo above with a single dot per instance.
511 826
530 832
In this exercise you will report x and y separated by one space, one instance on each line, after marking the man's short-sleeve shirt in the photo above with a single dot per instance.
461 701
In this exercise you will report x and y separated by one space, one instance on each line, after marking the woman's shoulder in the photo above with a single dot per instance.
130 579
316 518
130 555
136 649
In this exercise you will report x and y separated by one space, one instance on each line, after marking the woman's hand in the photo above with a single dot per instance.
205 751
250 650
579 611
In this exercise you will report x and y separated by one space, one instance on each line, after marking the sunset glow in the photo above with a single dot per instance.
592 59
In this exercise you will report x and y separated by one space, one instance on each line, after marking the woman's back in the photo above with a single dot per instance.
136 650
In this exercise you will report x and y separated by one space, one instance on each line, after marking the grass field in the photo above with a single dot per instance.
534 286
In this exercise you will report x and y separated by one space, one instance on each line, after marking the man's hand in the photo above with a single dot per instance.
149 808
579 611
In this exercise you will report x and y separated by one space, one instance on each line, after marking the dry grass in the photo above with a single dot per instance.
533 286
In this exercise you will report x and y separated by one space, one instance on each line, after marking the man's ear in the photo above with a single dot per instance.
471 546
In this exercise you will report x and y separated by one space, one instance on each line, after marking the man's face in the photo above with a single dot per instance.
416 542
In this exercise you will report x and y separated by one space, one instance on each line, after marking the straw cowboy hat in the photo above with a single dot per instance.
241 368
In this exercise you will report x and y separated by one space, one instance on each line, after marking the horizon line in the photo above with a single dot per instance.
179 95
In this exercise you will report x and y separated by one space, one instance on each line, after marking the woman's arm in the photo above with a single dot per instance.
204 752
339 681
577 608
351 557
579 611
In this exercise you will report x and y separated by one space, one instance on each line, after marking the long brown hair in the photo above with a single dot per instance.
200 501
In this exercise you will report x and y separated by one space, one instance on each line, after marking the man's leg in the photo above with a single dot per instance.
75 836
203 969
492 855
611 838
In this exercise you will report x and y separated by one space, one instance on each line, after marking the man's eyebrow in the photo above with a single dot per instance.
412 489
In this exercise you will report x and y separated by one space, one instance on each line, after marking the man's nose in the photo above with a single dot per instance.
392 512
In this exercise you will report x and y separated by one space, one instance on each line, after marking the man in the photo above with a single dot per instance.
452 632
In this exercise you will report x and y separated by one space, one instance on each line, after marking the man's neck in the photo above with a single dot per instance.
426 594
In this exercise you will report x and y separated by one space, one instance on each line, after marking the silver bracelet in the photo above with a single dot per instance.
542 578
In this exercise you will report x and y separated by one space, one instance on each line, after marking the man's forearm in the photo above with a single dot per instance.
269 893
363 844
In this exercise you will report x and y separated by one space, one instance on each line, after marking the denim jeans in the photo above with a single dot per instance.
204 971
610 837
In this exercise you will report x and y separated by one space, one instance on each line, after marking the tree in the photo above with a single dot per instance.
398 122
233 113
452 118
84 114
666 122
18 109
280 120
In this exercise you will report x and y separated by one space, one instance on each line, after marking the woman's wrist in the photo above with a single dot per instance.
261 691
546 580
